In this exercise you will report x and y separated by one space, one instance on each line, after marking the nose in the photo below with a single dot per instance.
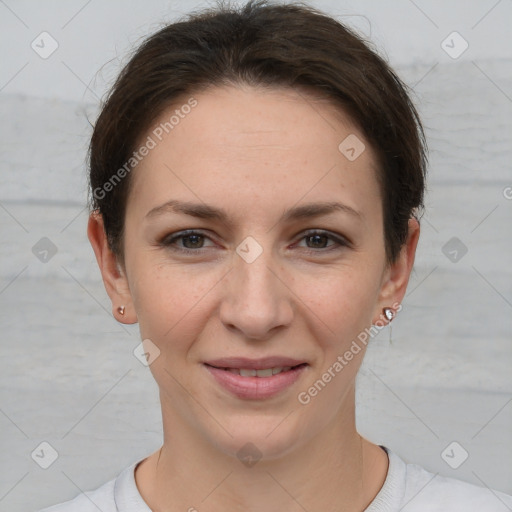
256 300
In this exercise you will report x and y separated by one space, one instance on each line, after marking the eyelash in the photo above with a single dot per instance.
170 240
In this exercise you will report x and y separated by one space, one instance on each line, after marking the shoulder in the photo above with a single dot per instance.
101 498
429 491
120 493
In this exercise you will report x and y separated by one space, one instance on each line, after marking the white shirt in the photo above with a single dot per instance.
407 488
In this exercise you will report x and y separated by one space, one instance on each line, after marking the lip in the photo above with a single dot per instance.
254 364
256 388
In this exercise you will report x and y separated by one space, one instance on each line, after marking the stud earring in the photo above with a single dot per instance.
120 310
388 313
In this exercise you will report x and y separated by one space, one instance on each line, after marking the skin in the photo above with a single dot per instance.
256 153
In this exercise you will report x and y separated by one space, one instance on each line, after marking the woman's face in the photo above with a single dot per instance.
262 276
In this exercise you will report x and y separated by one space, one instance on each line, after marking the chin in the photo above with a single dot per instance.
258 438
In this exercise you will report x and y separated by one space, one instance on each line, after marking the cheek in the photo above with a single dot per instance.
170 300
343 300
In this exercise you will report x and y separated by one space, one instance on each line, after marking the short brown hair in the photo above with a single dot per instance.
291 45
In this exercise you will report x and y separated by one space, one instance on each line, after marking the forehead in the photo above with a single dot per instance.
247 145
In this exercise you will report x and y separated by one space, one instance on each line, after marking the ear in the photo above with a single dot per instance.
114 277
396 275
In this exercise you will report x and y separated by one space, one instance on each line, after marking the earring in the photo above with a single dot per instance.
388 313
120 310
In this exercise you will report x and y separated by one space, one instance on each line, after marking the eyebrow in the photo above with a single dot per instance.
205 211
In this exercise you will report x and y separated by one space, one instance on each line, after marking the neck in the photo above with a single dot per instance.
336 470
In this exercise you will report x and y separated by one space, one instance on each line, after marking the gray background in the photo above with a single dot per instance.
68 373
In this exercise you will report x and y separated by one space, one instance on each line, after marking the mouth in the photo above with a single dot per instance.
252 372
256 379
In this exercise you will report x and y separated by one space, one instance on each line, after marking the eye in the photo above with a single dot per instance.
192 241
317 240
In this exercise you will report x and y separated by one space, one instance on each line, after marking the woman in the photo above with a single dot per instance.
256 178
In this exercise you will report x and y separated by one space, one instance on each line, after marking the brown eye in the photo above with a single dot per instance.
196 241
318 240
185 241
